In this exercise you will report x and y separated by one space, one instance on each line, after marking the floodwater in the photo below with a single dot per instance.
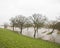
30 32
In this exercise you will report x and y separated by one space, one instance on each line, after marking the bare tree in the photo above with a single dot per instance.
5 25
20 20
38 22
13 22
52 25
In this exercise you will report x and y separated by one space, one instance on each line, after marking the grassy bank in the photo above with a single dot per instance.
9 39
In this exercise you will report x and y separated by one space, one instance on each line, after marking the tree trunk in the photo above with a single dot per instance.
21 30
52 30
34 32
37 31
13 27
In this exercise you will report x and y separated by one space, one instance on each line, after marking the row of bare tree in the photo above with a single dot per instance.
36 21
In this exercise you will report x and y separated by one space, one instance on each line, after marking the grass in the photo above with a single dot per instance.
9 39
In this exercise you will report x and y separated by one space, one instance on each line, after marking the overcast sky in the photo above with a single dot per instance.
11 8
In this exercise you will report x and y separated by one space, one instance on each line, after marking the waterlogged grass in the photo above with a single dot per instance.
9 39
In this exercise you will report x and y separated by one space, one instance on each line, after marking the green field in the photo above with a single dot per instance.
9 39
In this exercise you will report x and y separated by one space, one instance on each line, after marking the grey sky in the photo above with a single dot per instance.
11 8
